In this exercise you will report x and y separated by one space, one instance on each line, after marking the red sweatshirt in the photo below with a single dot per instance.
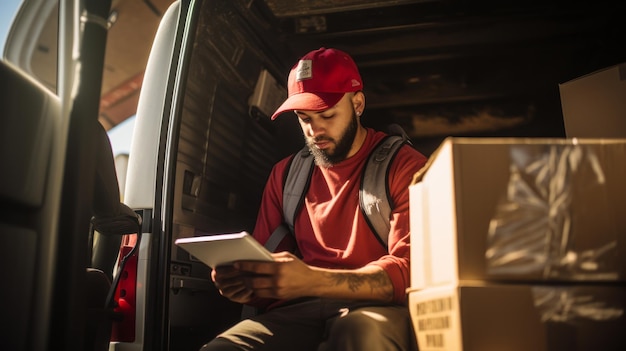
331 231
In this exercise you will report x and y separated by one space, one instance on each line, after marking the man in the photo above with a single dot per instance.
343 290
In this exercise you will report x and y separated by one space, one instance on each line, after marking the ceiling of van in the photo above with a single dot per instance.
439 67
134 24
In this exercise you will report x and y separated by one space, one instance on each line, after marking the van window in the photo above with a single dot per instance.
121 136
32 48
8 9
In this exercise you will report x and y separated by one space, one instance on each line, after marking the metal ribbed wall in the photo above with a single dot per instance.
224 155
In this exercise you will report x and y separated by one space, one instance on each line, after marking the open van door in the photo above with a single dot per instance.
57 177
200 154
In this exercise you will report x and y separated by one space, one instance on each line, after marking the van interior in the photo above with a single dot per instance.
436 68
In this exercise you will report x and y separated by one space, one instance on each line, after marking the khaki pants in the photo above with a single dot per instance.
322 325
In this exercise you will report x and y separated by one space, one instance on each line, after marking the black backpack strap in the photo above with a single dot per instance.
296 183
297 179
277 237
374 197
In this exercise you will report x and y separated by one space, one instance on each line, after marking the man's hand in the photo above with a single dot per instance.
289 278
229 281
285 278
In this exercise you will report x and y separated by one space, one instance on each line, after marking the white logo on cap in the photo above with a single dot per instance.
304 70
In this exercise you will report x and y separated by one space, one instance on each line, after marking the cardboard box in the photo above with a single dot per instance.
524 210
519 318
594 105
420 250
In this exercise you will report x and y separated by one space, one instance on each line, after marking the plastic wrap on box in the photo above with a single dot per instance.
568 304
520 210
542 219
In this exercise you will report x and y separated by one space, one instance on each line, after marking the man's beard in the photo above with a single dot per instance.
342 147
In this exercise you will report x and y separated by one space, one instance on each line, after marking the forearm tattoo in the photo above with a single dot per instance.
378 282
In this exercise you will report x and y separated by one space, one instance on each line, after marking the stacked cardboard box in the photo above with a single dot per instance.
519 317
520 244
594 105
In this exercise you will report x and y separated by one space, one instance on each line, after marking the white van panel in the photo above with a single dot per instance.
142 162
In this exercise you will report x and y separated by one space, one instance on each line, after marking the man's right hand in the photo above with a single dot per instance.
230 283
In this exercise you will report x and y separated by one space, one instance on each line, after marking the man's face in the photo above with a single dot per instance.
331 134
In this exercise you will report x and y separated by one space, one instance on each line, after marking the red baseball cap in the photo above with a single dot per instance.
319 80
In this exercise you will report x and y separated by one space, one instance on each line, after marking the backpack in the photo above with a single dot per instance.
373 193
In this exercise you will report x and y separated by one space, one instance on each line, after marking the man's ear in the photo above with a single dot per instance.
358 102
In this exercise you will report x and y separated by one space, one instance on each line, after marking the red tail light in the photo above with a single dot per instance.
123 329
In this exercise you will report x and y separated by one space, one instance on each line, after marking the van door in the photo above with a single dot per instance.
51 73
202 150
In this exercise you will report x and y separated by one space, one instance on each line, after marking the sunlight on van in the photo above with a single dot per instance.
121 136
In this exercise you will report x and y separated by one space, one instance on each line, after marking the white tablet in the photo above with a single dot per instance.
224 249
